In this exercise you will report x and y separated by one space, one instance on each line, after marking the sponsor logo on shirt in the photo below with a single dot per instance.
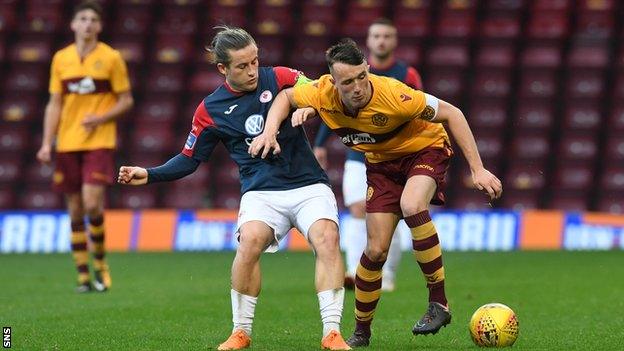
332 111
254 124
266 96
405 97
427 167
84 86
230 109
360 138
190 141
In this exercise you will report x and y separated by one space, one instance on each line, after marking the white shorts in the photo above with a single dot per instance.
354 182
285 209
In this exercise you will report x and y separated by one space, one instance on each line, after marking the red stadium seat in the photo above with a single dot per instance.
132 21
445 55
576 177
40 198
10 169
230 12
519 200
501 27
616 119
152 139
13 140
7 17
273 17
488 114
610 202
574 202
173 48
17 108
447 84
157 110
26 78
359 15
7 198
227 198
165 79
578 147
308 51
526 176
618 92
136 198
413 25
470 200
534 114
132 48
614 149
492 83
319 19
33 51
271 50
205 81
589 56
595 6
496 56
39 173
505 6
552 25
530 145
538 83
583 116
490 144
562 6
185 198
42 19
595 25
541 56
178 20
460 25
613 179
226 172
410 53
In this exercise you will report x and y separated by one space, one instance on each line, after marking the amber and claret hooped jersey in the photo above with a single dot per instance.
394 123
87 86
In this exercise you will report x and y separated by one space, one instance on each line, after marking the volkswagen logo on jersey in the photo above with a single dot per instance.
254 124
266 96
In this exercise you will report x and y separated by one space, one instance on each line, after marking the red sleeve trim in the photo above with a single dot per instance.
201 120
286 77
412 78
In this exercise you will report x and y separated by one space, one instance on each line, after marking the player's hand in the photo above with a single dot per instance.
131 175
91 122
301 115
486 181
265 143
44 154
321 156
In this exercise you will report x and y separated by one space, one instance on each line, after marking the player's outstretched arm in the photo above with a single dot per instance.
177 167
481 177
132 175
278 112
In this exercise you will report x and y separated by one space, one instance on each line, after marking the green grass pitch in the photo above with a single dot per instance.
181 301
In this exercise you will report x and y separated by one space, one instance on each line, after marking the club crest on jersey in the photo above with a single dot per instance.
380 120
190 141
254 124
266 96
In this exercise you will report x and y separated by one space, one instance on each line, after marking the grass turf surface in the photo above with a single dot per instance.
181 301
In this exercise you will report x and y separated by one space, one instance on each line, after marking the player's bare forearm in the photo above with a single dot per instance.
124 104
461 132
279 111
51 119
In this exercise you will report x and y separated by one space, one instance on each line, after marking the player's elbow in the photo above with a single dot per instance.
448 113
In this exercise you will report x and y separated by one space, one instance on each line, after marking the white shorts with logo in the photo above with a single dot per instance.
354 182
285 209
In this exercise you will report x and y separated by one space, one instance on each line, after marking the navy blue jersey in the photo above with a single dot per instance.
398 70
236 118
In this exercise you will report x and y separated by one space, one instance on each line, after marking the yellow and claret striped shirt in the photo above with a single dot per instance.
88 86
393 124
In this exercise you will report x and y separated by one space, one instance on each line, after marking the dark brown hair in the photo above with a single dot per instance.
88 5
346 51
228 38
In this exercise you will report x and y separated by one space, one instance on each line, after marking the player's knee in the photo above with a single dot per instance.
376 253
358 209
413 206
327 240
251 246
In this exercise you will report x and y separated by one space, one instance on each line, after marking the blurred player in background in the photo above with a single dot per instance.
89 90
407 156
381 43
290 190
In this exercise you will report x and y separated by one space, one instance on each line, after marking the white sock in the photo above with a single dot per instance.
330 304
394 258
355 235
243 309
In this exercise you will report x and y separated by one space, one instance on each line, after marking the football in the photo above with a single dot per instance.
494 325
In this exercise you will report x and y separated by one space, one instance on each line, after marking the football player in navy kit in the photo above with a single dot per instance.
280 192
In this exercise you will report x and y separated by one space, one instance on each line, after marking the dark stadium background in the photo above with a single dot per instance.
541 83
